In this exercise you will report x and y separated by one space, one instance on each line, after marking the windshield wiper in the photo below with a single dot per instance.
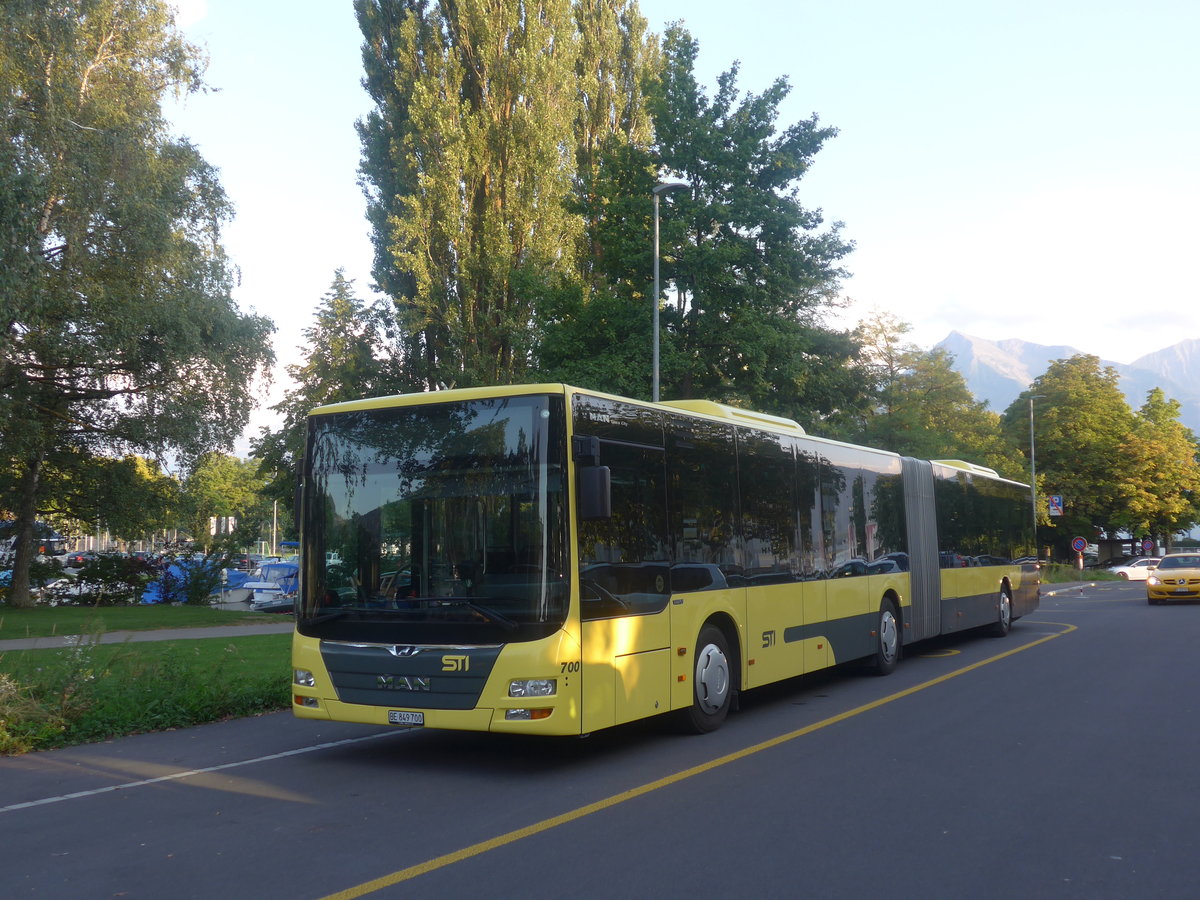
328 614
491 615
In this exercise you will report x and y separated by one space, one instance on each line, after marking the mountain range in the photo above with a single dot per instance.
998 371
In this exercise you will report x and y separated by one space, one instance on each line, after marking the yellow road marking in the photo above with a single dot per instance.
482 847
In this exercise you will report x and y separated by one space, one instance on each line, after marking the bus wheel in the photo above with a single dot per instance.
887 639
712 686
1003 623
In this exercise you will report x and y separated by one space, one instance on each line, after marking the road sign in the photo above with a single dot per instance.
1056 504
1147 546
1078 545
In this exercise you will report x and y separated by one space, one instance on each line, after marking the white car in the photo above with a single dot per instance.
1136 569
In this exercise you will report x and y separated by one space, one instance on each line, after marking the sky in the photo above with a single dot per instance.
1005 169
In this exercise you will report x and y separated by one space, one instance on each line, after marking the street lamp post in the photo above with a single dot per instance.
1033 469
659 189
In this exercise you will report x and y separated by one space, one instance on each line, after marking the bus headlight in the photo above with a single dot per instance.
533 687
303 677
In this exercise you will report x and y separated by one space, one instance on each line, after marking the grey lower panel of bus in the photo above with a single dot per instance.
925 615
414 677
968 612
849 638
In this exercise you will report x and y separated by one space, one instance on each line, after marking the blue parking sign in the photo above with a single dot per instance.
1056 504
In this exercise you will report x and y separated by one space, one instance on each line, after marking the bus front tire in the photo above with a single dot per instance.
712 682
887 639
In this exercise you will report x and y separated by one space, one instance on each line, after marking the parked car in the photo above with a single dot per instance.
1136 570
78 559
1176 577
245 562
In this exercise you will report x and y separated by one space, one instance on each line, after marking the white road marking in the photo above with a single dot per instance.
175 776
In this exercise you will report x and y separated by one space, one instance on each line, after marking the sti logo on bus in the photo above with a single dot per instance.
456 663
402 682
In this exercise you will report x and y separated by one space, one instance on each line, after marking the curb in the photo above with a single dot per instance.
1069 587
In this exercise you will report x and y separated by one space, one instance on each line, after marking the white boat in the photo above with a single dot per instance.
273 586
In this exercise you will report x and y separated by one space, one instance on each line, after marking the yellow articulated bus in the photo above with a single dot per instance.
544 559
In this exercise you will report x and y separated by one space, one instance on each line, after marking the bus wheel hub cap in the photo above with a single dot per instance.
712 678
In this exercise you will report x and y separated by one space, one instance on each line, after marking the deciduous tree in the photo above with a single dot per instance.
118 331
1082 424
1162 480
131 497
754 272
221 486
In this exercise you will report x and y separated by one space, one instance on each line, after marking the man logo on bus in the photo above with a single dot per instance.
402 682
456 663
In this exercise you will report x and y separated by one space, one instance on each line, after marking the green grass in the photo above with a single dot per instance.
44 621
64 696
1055 573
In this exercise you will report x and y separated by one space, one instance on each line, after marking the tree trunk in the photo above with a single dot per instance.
19 596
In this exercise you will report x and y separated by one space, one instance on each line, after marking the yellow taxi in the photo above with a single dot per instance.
1176 577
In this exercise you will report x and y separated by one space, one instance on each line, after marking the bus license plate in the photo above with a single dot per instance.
400 717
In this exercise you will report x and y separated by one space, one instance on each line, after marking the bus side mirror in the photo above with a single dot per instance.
595 493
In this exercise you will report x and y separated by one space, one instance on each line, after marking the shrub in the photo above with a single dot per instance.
25 724
107 580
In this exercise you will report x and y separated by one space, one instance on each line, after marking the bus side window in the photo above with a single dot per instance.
766 473
704 527
623 558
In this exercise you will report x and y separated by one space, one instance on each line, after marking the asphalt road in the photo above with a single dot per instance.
1057 762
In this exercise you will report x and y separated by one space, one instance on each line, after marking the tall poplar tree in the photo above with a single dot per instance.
598 335
117 332
467 173
616 57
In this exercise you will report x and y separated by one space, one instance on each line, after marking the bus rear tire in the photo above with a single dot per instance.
1003 623
712 682
887 639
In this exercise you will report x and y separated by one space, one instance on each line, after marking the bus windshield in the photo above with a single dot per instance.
442 523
